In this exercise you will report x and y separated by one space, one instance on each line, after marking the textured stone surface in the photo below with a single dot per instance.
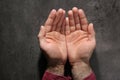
20 56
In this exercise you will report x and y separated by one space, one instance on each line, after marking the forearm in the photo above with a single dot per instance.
81 70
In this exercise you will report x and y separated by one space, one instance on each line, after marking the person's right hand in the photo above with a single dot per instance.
80 36
52 40
80 39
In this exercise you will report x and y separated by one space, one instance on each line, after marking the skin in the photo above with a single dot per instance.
69 38
80 39
52 41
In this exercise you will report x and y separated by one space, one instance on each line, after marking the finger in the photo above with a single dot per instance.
76 18
42 33
57 19
67 28
71 21
91 30
60 23
83 20
63 27
49 21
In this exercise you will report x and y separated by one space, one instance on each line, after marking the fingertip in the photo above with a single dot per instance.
66 20
75 9
42 26
53 11
69 12
60 10
91 29
91 24
42 32
80 10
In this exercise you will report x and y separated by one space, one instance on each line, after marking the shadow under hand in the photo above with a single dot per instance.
95 65
67 69
42 64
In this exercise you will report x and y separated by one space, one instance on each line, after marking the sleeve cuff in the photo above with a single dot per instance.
91 77
51 76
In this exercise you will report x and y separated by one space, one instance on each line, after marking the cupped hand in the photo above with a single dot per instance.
80 37
52 38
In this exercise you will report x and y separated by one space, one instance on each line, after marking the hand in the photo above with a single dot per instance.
80 38
52 40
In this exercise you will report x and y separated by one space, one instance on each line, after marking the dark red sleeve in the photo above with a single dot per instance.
91 77
50 76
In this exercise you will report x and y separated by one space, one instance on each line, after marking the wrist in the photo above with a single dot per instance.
81 70
58 70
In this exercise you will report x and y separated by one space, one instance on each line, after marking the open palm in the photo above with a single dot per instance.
52 38
80 37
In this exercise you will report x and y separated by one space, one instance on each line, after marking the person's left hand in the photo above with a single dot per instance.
52 38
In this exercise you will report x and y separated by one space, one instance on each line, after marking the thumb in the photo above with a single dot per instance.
91 30
42 32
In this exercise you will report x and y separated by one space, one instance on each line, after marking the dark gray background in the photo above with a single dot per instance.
20 56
